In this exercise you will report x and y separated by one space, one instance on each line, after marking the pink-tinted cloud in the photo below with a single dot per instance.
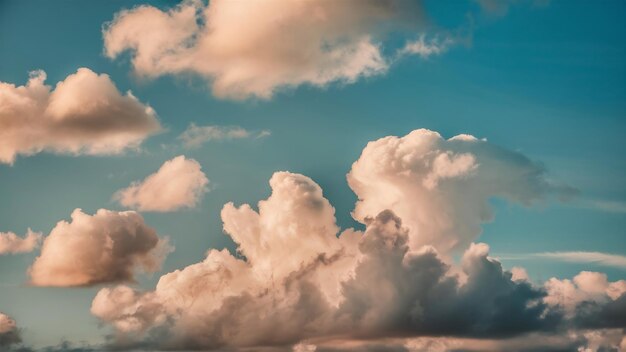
298 280
106 247
10 243
178 183
83 114
283 44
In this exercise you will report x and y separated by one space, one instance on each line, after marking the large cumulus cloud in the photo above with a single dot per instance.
106 247
298 280
178 183
83 114
440 187
282 44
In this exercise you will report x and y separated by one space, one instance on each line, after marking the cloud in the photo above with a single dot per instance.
195 136
298 280
572 340
282 45
608 205
441 188
178 183
426 48
106 247
83 114
585 294
9 333
10 243
598 258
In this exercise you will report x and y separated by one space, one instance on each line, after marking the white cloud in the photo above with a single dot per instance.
283 43
178 183
106 247
11 243
84 114
195 136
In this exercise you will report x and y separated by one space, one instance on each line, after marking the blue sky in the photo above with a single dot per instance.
546 81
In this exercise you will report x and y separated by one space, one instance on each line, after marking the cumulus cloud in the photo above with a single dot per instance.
283 44
195 136
83 114
9 333
10 243
440 188
106 247
178 183
584 289
298 280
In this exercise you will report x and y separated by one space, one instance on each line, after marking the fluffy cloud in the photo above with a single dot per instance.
11 243
297 279
178 183
9 333
194 136
283 44
84 114
106 247
590 299
440 188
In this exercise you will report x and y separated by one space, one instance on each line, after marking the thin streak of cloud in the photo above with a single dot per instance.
598 258
609 205
195 136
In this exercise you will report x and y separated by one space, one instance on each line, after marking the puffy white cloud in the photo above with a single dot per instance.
106 247
283 44
83 114
11 243
178 183
9 333
440 188
297 280
194 136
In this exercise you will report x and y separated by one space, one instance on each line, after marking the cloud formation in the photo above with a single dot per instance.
195 136
426 48
283 44
440 188
106 247
10 243
598 258
178 183
83 114
298 280
9 333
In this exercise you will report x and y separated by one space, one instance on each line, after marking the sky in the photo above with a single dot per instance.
340 117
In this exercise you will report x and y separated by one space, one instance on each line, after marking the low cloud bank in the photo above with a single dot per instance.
299 281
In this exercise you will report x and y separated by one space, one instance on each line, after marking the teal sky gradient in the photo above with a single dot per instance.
548 81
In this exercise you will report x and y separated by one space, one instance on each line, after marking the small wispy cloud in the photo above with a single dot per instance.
609 205
425 47
597 258
195 136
